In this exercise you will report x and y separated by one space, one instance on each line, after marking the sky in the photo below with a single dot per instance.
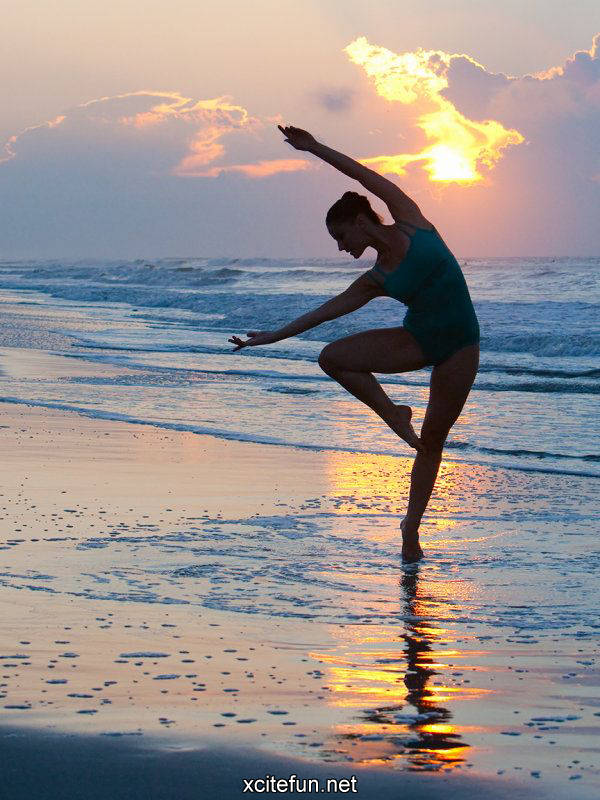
146 129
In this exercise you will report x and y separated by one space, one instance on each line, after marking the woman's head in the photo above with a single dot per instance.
349 221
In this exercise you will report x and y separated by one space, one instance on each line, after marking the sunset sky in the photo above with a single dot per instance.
149 129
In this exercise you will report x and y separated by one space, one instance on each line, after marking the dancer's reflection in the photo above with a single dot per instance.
435 744
432 744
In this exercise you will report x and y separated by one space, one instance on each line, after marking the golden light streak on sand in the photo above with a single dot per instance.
427 630
450 690
355 478
442 728
382 675
363 484
443 759
389 677
447 754
459 146
370 727
438 727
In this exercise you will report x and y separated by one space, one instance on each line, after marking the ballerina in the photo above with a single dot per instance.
440 328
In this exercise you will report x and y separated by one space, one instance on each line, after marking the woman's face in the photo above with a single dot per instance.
350 237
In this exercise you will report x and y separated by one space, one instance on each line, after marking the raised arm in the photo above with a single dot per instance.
356 295
401 206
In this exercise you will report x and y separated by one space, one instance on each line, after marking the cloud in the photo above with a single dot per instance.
558 112
9 149
157 172
459 146
263 169
335 100
163 132
472 118
470 86
572 89
583 67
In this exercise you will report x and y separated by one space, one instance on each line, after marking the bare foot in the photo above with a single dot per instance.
411 549
401 425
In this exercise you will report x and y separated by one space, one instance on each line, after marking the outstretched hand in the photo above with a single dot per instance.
256 337
298 138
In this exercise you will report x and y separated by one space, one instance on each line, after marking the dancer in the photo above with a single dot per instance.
440 328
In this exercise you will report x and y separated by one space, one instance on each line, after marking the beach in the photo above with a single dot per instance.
225 609
200 570
142 611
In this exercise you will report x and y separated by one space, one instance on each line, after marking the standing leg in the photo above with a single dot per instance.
450 385
352 360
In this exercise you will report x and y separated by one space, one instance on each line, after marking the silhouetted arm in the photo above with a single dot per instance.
401 206
399 203
356 295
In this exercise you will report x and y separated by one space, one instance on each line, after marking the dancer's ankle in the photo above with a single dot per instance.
410 530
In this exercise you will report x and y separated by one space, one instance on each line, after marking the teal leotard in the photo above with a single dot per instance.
430 282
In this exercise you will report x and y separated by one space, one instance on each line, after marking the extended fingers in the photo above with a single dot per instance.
288 130
236 340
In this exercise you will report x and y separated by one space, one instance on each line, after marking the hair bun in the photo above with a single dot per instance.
348 206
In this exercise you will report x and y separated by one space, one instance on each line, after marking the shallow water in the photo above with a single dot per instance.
168 323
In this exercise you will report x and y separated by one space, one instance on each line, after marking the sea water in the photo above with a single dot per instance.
532 407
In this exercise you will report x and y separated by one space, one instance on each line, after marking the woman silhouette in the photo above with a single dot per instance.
440 328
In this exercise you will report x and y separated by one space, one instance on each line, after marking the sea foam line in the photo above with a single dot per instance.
256 439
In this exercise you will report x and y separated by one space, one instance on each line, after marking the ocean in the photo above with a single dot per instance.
533 406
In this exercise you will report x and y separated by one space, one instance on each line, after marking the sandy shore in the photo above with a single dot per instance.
90 768
139 628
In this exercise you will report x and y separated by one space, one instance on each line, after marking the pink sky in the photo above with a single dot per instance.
138 131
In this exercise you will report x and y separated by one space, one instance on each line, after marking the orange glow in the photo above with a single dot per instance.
262 169
438 727
395 678
460 146
356 675
554 72
449 754
211 119
459 690
204 149
219 111
8 146
361 484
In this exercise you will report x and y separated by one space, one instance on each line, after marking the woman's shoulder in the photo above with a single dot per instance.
413 218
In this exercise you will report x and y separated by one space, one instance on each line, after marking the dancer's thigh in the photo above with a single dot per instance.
385 350
450 384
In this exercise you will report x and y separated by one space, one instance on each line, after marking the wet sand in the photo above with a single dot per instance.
89 768
216 610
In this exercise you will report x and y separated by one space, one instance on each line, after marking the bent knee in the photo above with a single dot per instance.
326 358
